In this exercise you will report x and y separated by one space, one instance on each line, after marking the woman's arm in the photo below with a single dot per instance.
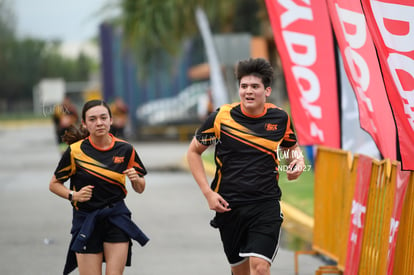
58 188
137 182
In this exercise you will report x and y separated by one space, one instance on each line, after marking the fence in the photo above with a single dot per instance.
404 250
338 174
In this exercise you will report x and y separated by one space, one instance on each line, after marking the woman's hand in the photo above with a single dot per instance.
131 174
138 183
84 194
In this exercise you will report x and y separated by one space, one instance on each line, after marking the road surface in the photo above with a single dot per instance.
35 224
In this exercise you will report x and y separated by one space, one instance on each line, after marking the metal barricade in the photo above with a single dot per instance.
377 221
334 185
404 250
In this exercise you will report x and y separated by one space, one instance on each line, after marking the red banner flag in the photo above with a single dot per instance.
391 23
358 213
304 40
363 70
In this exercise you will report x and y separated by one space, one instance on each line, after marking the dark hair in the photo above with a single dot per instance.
93 103
258 67
73 133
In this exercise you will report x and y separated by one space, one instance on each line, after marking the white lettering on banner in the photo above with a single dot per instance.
400 62
354 237
302 60
356 40
395 12
357 211
356 63
308 57
315 131
294 12
393 229
311 94
404 15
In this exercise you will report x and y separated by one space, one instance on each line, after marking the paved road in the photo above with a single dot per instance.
35 224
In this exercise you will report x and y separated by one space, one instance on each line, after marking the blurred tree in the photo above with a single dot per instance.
7 20
153 25
7 44
25 61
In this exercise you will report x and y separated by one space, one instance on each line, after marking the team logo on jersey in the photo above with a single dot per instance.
270 127
118 159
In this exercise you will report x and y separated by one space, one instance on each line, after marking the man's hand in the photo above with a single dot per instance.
216 202
295 168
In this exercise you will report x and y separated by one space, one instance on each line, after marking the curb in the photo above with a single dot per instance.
15 124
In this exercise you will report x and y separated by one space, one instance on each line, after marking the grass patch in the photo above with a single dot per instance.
22 116
298 193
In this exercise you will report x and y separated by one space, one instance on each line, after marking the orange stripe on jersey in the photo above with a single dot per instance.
104 173
209 131
95 167
219 165
67 168
264 150
71 167
107 179
246 136
289 132
133 164
78 154
207 137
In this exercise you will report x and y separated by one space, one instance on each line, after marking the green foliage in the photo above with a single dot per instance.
153 25
25 61
7 20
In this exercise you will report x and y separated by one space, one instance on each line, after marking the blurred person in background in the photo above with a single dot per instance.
244 192
64 116
97 164
119 116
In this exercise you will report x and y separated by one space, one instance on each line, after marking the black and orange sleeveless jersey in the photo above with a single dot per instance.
86 164
246 151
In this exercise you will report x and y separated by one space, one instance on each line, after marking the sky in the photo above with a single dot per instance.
74 22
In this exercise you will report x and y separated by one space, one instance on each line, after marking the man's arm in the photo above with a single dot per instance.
195 162
295 161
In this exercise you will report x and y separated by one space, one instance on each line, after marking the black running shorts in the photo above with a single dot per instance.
250 231
104 231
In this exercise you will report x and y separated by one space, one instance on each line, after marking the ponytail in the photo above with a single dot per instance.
73 134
